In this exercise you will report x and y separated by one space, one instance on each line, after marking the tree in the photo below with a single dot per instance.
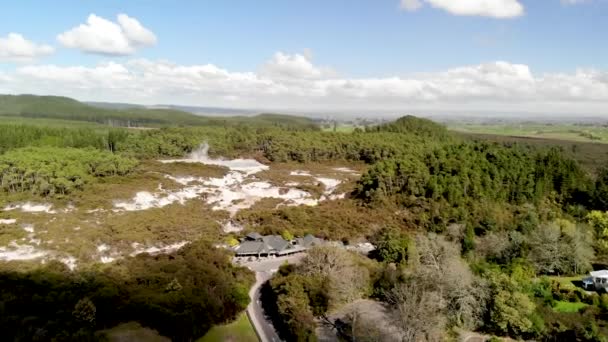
600 195
173 286
579 241
85 311
391 245
547 250
511 310
441 268
419 311
344 278
599 221
287 235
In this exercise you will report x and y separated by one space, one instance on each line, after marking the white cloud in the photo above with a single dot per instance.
285 66
411 5
297 84
14 47
135 32
574 2
105 37
484 8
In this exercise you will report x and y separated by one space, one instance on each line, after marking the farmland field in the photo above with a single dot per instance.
571 132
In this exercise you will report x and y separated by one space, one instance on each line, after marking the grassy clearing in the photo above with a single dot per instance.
547 131
335 220
567 282
184 169
566 307
237 331
40 122
133 332
341 128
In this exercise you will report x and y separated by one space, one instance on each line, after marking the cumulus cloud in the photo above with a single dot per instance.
297 66
485 8
102 36
14 47
297 84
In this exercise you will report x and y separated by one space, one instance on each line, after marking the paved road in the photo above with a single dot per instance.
263 272
264 328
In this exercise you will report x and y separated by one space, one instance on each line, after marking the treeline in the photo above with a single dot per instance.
425 290
473 172
181 295
48 171
16 136
487 186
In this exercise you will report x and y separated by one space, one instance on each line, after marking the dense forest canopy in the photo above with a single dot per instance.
181 294
49 171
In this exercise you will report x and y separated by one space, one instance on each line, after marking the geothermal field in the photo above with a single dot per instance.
162 202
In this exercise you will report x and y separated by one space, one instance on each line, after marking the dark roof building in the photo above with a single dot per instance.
253 236
309 241
257 245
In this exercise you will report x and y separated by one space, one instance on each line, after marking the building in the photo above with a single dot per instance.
599 279
256 245
309 241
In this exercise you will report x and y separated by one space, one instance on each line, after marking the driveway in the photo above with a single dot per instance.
263 272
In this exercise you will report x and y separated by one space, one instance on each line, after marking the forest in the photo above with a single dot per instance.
181 295
471 234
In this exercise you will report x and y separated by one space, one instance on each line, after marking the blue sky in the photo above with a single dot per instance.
355 39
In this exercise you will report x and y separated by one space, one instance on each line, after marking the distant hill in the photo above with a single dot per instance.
113 105
126 115
205 111
413 125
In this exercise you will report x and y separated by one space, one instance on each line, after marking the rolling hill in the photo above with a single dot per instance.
63 108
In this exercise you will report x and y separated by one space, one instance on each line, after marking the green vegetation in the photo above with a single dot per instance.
132 331
414 126
562 306
572 132
63 108
180 295
52 171
467 228
239 330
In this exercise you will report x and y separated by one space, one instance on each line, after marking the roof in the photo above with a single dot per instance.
254 236
275 242
293 249
309 241
250 247
599 274
263 245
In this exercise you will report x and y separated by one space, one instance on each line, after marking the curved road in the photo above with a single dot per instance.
263 272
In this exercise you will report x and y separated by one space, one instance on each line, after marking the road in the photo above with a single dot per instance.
263 272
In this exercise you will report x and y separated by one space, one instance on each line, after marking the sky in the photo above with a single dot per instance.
545 57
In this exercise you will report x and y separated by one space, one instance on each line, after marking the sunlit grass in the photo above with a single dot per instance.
566 307
559 131
237 331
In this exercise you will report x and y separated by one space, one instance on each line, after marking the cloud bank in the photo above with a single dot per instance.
291 81
16 48
102 36
485 8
